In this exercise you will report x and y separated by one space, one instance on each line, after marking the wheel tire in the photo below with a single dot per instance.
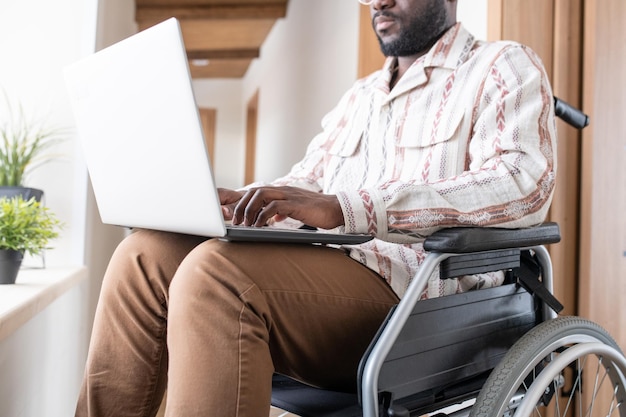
525 360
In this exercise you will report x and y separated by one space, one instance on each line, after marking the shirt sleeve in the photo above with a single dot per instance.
309 172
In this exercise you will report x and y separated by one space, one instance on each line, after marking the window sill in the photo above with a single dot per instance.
33 291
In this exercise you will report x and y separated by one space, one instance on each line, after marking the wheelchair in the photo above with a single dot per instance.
492 352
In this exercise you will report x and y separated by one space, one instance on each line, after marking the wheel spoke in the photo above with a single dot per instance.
557 411
614 403
597 385
575 386
549 362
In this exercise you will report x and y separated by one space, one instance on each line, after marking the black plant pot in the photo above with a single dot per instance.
26 192
10 262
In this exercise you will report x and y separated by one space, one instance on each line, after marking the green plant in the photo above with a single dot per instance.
22 145
25 225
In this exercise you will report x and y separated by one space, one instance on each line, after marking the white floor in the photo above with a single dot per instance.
277 412
274 412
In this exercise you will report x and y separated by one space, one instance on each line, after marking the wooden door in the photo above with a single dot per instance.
370 57
208 118
251 127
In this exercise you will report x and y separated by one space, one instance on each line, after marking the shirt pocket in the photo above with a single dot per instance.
427 129
344 141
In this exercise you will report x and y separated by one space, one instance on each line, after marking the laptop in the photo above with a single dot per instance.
143 143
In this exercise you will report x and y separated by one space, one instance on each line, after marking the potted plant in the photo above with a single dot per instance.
23 143
26 226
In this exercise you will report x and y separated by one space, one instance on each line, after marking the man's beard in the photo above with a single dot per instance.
419 35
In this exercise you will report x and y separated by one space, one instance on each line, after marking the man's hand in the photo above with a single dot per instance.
258 206
228 200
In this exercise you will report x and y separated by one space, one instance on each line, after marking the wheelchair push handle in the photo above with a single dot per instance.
570 114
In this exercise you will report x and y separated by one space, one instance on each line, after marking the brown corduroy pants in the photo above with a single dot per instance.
212 320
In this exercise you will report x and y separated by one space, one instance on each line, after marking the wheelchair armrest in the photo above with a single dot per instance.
478 239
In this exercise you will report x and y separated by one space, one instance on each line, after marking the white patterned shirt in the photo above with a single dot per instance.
465 138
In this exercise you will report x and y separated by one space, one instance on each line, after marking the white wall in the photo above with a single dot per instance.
41 363
473 14
37 38
225 96
307 63
304 68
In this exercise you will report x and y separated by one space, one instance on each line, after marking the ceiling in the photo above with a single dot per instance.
222 37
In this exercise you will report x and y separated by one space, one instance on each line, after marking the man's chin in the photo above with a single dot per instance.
386 45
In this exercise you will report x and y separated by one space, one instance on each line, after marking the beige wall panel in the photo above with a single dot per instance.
494 20
603 192
530 22
603 232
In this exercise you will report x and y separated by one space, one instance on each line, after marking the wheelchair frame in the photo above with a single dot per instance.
528 375
445 245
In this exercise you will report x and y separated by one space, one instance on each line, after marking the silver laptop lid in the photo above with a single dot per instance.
142 138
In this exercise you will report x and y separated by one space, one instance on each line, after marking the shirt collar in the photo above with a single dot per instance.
451 50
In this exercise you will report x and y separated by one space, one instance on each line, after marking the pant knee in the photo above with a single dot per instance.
210 265
211 279
146 260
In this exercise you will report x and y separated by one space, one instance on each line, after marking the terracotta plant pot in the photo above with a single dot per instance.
10 262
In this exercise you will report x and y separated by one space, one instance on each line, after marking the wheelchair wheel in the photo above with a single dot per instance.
563 367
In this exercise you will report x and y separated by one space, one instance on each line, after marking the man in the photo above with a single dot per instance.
451 132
